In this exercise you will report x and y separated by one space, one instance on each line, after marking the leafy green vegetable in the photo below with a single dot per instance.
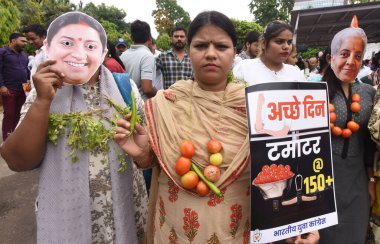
86 131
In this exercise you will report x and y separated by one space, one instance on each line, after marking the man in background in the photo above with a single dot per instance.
36 35
250 47
138 60
13 73
175 64
121 46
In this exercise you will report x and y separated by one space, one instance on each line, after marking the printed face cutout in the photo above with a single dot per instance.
75 41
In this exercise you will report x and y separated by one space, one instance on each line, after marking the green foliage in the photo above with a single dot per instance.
310 52
31 12
86 132
111 14
168 15
243 27
267 10
111 30
163 41
9 19
51 9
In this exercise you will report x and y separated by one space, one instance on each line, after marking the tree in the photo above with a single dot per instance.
163 41
243 27
169 14
31 12
9 19
54 8
265 11
108 13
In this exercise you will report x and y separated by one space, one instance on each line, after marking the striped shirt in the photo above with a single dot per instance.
173 69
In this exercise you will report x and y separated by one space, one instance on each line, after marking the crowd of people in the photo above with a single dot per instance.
185 93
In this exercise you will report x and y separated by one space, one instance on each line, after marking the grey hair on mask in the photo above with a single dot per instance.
342 35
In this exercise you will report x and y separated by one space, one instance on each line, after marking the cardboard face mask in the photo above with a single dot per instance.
78 43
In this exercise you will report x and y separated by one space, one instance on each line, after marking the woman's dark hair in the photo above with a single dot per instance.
333 82
324 60
300 63
375 61
140 31
212 18
112 53
273 29
39 30
76 18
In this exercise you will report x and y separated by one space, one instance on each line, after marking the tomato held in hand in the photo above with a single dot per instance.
187 149
182 166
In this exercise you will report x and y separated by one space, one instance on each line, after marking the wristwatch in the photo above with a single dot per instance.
372 179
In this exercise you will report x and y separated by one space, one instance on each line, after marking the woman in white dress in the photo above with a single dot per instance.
276 46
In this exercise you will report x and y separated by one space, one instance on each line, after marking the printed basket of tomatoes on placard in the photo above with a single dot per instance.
273 179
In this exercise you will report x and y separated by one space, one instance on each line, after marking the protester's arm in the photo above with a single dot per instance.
25 147
148 89
3 90
147 68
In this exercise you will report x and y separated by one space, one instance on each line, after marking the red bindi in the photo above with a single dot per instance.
79 39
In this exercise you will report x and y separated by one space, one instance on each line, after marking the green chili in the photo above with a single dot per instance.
134 114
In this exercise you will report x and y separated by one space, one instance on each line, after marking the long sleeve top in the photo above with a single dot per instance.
13 69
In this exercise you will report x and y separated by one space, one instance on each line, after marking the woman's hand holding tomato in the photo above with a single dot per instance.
46 81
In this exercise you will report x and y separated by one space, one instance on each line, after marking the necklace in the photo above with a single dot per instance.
351 125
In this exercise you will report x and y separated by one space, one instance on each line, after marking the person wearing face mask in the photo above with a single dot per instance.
352 148
174 64
87 198
276 46
14 73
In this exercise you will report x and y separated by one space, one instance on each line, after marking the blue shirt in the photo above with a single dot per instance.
13 69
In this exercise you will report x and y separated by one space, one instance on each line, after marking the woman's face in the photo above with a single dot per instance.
78 51
211 53
347 61
279 47
292 59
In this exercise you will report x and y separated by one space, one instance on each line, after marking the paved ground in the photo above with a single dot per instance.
18 192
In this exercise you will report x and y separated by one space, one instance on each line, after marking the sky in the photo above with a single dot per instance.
142 9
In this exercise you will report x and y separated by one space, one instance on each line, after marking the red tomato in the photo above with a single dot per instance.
212 173
187 149
331 107
336 131
202 189
214 146
355 97
355 107
353 126
332 117
189 180
182 166
346 133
